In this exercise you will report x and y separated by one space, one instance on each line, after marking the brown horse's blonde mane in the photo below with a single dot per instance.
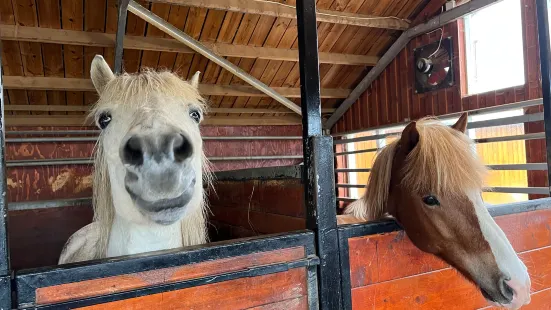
442 163
132 90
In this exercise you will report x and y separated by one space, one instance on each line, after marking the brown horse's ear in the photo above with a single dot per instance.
410 137
100 73
461 124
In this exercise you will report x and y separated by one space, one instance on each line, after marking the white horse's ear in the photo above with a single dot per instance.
195 79
461 124
100 73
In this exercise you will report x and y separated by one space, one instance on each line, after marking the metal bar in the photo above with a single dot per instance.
4 247
528 136
545 61
345 185
318 176
519 190
54 132
527 167
357 152
481 111
527 118
397 46
94 138
89 161
195 45
122 7
33 205
346 199
353 170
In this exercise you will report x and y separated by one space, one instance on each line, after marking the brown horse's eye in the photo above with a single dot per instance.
431 201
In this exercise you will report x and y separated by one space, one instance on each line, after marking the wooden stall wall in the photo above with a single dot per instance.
45 231
391 98
270 202
388 272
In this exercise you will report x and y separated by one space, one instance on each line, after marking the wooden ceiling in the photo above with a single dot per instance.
48 45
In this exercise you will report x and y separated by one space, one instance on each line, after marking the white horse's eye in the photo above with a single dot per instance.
104 120
195 115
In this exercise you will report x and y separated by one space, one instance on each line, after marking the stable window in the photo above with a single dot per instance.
494 47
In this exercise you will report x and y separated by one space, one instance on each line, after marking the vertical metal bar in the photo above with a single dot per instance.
122 8
4 249
545 61
318 173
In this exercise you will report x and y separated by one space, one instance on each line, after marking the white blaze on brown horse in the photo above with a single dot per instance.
430 180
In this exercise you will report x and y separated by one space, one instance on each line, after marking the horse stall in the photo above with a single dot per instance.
280 235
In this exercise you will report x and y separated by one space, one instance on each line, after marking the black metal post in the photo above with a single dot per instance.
122 8
319 185
5 272
545 61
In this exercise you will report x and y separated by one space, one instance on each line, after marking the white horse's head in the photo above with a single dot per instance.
150 152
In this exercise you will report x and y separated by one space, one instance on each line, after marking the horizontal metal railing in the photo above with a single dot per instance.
89 161
95 138
520 119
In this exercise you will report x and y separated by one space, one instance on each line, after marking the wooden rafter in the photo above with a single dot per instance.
80 120
74 84
431 9
275 9
83 38
70 108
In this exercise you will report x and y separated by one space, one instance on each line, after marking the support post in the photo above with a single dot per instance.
545 62
318 171
122 10
5 270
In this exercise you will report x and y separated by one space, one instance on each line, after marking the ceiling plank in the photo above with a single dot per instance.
433 7
78 120
84 38
275 9
74 84
66 108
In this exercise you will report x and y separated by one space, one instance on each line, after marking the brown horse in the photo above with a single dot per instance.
430 180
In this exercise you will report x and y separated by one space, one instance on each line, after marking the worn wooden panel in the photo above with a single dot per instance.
540 301
290 304
110 285
442 289
37 236
378 258
235 294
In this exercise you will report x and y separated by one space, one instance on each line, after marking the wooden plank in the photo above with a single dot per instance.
234 294
11 57
49 15
31 53
65 108
260 222
73 84
431 9
77 120
150 59
122 283
135 26
441 289
290 304
177 17
72 13
397 257
94 21
275 9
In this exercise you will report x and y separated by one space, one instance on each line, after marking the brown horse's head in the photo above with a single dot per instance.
431 181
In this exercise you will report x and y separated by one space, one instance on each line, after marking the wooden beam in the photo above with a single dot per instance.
69 108
275 9
73 84
70 37
77 120
431 9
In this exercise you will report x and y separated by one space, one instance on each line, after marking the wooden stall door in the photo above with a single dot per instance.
276 272
386 271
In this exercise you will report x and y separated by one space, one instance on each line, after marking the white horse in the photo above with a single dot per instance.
149 163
